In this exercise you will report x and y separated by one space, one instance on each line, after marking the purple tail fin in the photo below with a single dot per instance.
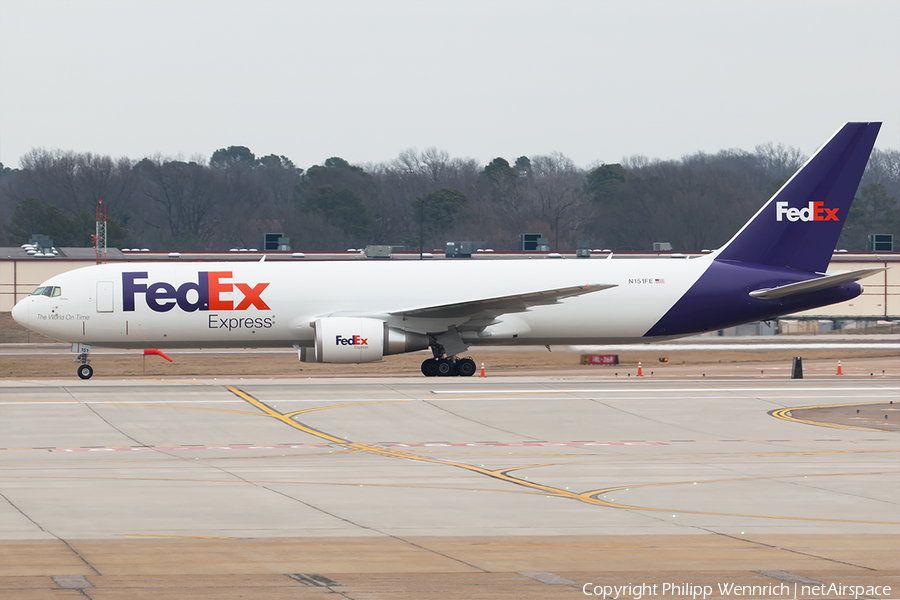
799 226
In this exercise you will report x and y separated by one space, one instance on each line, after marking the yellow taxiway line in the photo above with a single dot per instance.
782 413
589 497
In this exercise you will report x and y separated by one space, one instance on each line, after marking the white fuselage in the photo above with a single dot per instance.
92 305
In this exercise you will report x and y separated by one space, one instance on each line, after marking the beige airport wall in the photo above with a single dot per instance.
20 277
880 297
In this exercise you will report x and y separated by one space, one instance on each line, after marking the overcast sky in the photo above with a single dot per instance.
365 80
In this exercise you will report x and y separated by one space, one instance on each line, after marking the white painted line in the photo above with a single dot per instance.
765 346
274 403
644 390
135 402
362 401
535 395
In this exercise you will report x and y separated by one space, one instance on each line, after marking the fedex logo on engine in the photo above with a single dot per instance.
204 294
816 211
356 340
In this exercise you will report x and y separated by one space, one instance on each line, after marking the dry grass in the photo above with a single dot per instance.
236 364
13 333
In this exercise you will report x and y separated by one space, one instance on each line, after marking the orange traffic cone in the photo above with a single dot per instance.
640 371
840 372
482 370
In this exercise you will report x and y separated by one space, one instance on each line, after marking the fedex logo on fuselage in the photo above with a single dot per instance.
356 340
816 211
207 293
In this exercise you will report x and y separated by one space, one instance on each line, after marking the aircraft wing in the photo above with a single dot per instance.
501 304
814 285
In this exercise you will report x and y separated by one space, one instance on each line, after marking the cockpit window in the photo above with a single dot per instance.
48 290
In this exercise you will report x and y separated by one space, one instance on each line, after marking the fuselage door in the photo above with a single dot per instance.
104 296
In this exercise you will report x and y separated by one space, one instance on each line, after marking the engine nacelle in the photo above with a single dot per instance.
359 340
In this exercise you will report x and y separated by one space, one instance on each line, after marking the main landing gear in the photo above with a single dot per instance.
85 371
444 349
448 367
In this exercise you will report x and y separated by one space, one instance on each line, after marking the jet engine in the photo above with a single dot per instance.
359 340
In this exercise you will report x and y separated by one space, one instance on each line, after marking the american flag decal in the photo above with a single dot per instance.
659 281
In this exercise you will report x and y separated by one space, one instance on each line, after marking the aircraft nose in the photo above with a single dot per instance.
20 312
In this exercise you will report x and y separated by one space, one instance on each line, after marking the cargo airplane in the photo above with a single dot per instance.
360 311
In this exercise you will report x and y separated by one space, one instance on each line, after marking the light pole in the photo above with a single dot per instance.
557 231
421 226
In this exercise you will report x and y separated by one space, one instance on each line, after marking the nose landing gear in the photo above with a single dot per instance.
85 371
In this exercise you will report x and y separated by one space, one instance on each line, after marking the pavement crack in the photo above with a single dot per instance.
471 420
645 417
791 550
39 526
372 529
22 512
102 418
807 484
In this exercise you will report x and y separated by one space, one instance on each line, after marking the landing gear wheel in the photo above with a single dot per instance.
85 371
446 368
465 367
430 368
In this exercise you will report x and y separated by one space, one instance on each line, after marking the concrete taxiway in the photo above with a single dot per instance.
519 485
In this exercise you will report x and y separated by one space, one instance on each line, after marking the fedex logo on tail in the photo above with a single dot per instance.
816 211
356 340
207 293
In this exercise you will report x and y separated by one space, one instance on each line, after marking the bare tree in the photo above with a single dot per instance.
555 191
183 194
780 161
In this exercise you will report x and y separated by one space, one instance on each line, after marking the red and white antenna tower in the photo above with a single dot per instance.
100 237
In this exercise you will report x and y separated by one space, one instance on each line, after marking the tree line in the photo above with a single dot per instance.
230 200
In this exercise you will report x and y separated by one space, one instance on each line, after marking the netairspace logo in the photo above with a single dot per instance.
816 211
682 591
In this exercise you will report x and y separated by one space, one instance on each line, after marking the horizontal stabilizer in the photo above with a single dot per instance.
814 285
501 304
